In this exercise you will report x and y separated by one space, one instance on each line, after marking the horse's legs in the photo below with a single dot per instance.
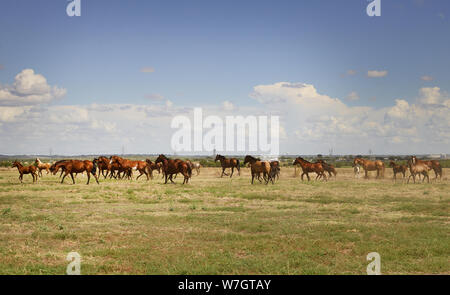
73 179
88 176
170 177
253 177
232 170
307 175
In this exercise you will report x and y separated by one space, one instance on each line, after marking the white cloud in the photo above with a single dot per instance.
29 89
227 105
353 96
147 70
377 74
426 78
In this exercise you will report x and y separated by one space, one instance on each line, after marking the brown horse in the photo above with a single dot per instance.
25 170
328 168
152 166
42 166
56 166
398 169
122 165
417 168
77 166
309 167
369 165
275 168
228 163
103 164
432 164
257 167
171 167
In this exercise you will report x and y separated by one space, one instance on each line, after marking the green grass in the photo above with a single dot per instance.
224 226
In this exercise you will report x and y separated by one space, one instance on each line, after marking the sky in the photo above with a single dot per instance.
114 78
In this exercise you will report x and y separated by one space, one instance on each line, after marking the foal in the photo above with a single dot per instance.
25 170
42 166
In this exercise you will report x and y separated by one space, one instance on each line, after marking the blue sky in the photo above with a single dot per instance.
206 52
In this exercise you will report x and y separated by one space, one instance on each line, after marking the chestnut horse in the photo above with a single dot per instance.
25 170
369 165
257 167
77 166
328 168
103 165
228 163
275 166
309 167
398 169
171 167
417 168
42 166
432 164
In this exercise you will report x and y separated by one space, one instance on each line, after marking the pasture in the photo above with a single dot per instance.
219 225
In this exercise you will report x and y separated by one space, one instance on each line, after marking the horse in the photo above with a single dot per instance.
416 167
25 170
398 169
275 167
356 170
432 164
104 164
152 166
42 166
122 165
369 165
309 167
194 165
56 166
228 163
257 167
77 166
328 168
171 167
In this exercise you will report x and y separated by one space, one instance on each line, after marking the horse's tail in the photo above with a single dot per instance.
238 167
94 168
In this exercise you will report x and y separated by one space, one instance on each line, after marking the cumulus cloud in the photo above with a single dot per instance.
29 88
147 70
377 74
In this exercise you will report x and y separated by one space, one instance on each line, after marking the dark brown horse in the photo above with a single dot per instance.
276 168
152 166
77 166
397 168
171 167
309 167
258 167
25 170
228 163
369 165
103 164
328 168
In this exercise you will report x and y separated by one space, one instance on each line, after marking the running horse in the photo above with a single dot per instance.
228 163
398 169
369 165
103 164
309 167
171 167
328 168
42 166
257 167
25 170
152 166
77 166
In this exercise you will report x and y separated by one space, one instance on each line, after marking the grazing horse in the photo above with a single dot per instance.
77 166
369 165
328 168
42 166
417 168
171 167
228 163
432 164
309 167
25 170
257 167
398 169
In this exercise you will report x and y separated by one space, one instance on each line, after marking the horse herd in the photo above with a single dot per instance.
121 168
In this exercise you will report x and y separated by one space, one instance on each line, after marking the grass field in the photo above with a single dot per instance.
224 226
